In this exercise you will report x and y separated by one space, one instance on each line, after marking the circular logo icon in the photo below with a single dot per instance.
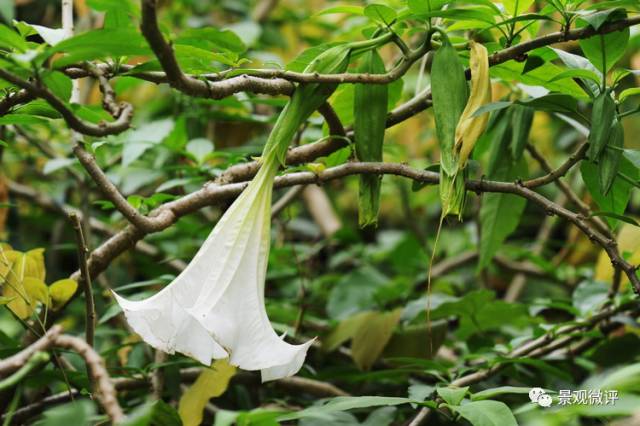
545 400
535 393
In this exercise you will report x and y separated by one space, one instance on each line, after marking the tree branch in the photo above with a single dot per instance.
85 280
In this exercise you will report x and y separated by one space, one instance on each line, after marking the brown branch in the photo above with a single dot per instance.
110 191
50 204
36 90
105 391
214 193
85 279
13 99
554 175
209 87
14 362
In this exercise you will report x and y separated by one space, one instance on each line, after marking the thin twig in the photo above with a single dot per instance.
85 279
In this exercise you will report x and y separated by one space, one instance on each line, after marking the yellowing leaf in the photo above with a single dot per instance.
61 291
372 337
471 127
36 269
36 290
211 382
370 332
629 243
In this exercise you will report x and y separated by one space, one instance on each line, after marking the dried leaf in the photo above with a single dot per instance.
471 127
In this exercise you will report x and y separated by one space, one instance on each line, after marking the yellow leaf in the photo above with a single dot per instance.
345 330
36 290
470 128
212 382
61 291
628 245
36 268
372 337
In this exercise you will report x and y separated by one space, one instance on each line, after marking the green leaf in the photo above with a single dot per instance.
422 7
73 413
603 115
633 91
199 149
577 73
355 292
589 296
618 197
58 83
370 112
9 39
521 121
380 13
605 50
516 7
138 141
611 156
57 164
452 395
98 44
349 10
480 14
211 38
500 213
156 413
620 217
343 403
486 413
501 390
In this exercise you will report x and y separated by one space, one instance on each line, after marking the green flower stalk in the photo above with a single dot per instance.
215 308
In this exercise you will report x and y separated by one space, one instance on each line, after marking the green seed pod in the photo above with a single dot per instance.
602 116
370 114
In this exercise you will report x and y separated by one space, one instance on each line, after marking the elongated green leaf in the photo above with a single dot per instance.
343 403
502 390
370 112
602 117
610 158
521 119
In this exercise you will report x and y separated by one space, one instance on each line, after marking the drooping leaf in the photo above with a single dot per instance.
603 115
212 382
370 112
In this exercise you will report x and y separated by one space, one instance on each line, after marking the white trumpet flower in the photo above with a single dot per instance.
215 308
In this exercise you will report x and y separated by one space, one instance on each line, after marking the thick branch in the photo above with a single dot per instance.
214 193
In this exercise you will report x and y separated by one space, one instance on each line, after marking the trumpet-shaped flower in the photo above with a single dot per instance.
215 308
